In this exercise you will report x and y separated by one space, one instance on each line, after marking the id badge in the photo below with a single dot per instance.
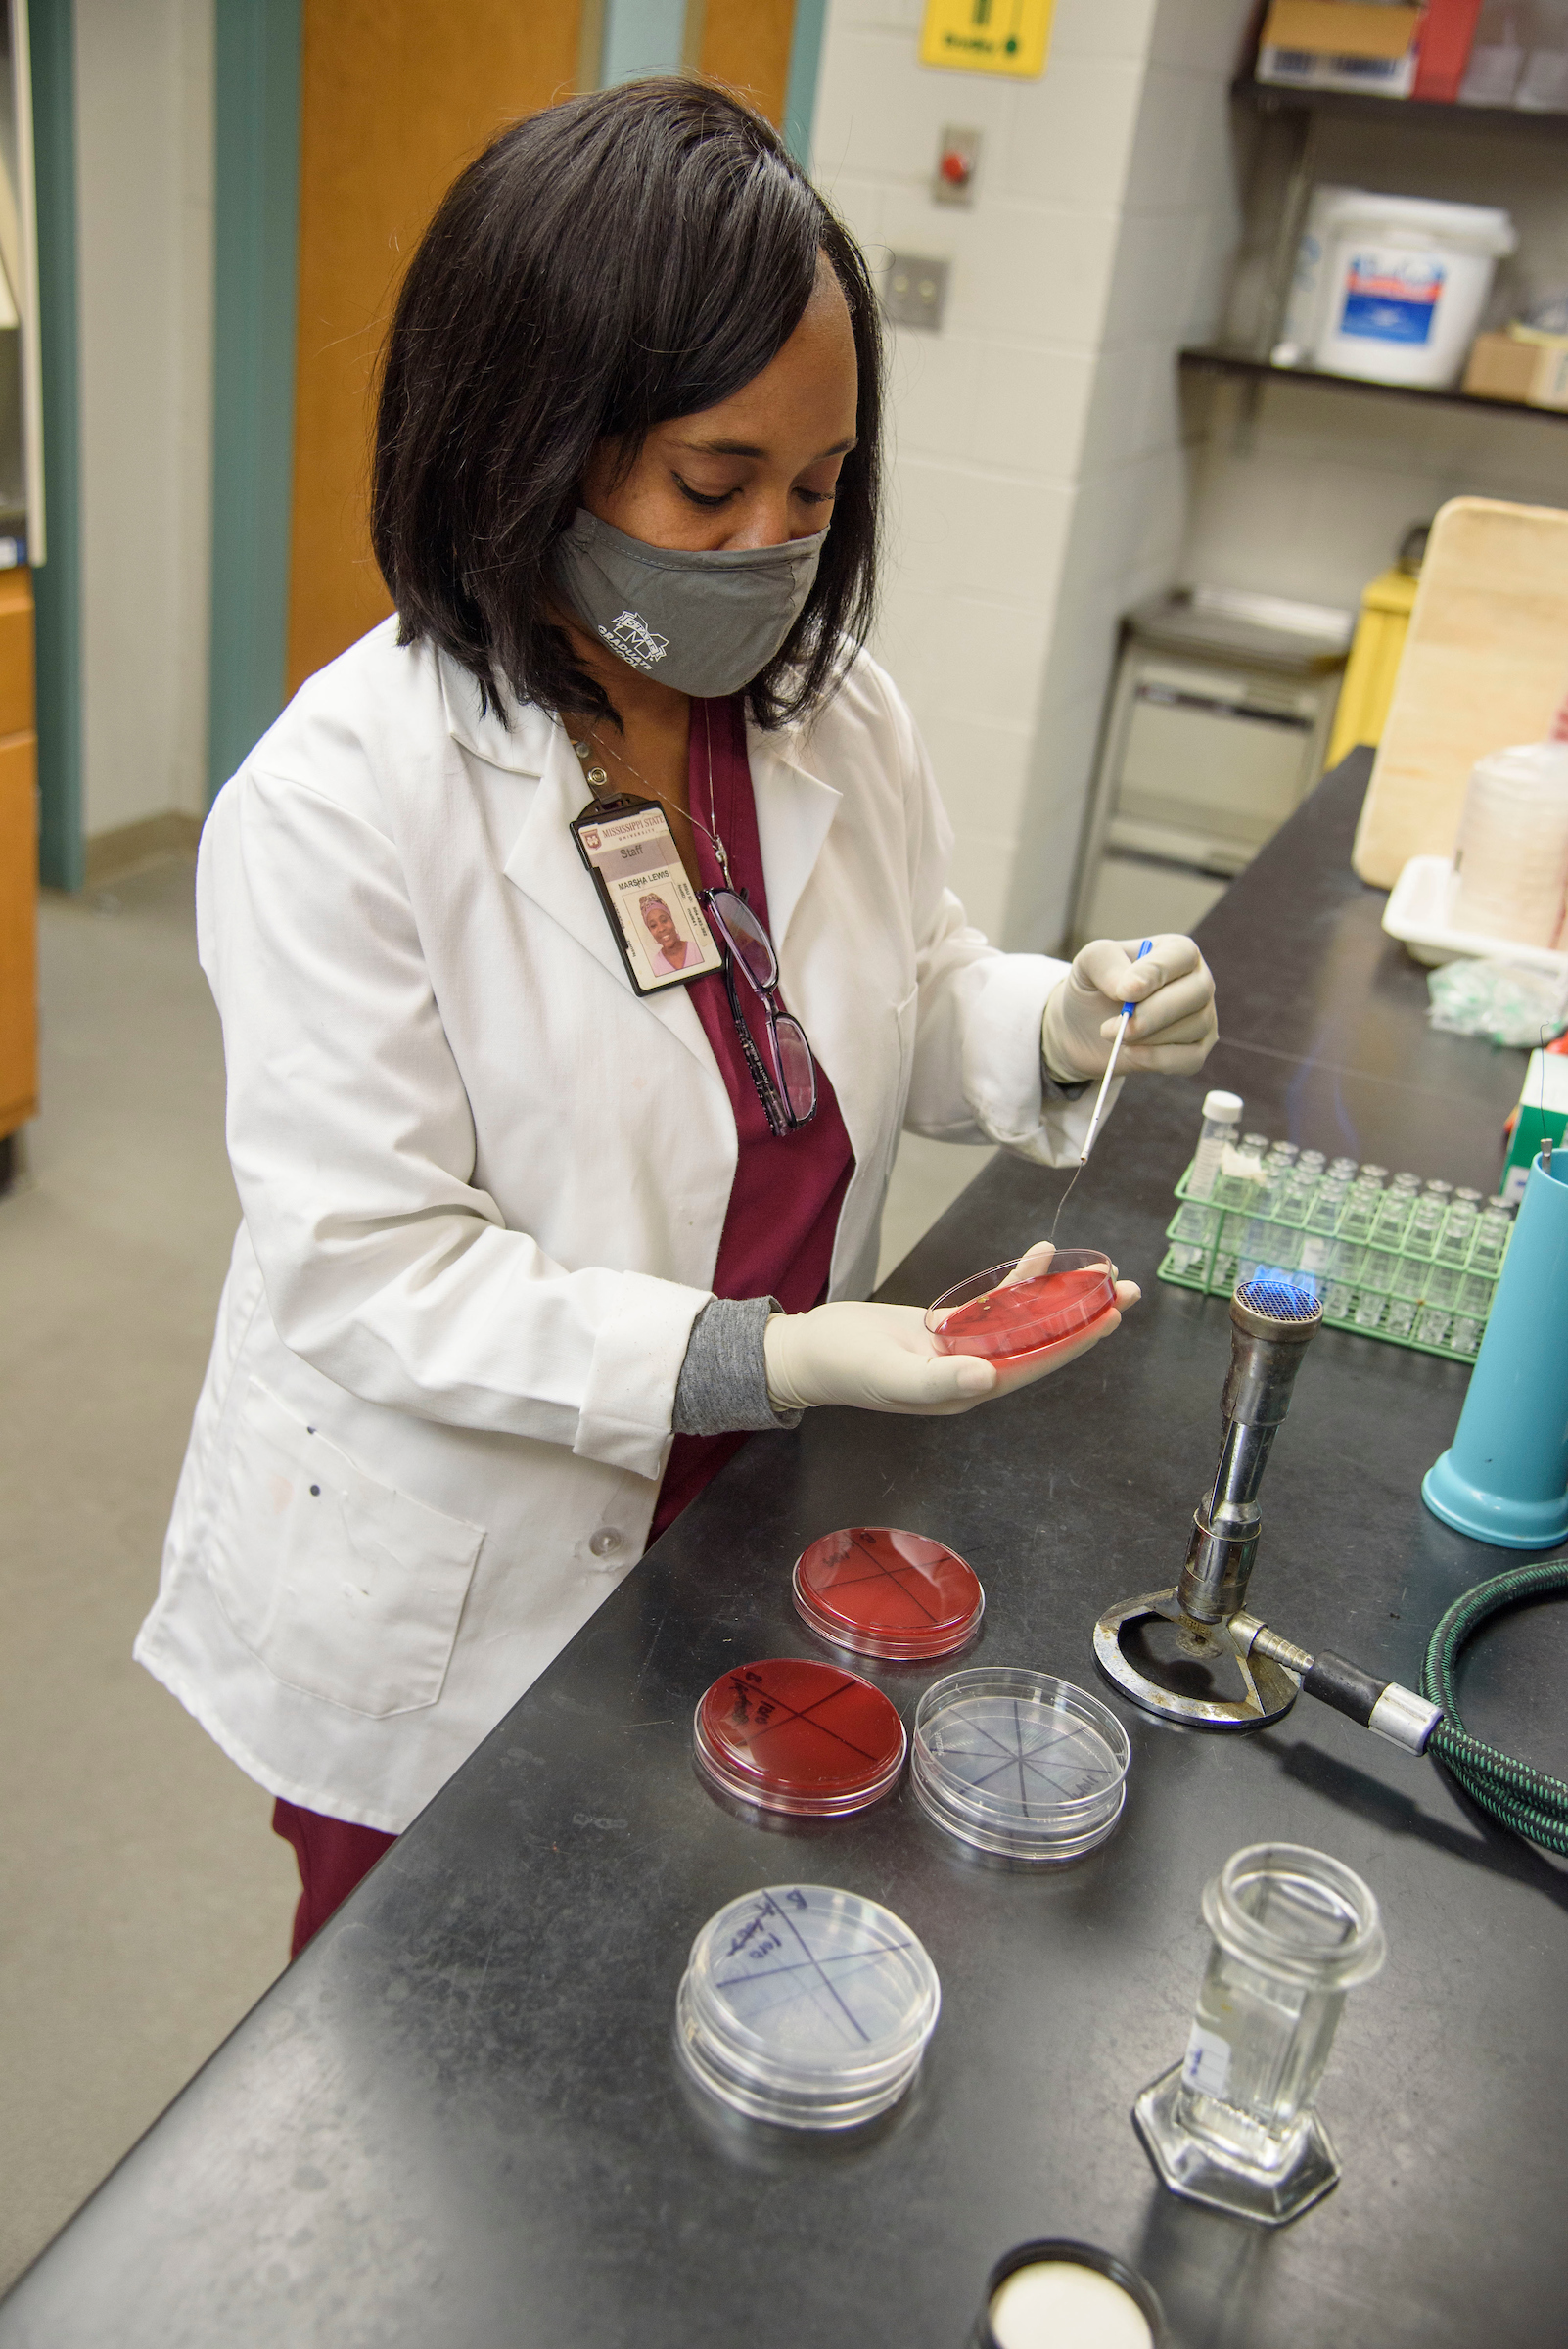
654 918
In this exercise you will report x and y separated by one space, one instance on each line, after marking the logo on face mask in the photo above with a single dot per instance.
629 635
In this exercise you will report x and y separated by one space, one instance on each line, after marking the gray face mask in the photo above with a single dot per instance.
705 624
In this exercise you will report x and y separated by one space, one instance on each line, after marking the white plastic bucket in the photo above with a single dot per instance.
1403 286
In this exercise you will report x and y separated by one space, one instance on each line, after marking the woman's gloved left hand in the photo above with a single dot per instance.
1171 1031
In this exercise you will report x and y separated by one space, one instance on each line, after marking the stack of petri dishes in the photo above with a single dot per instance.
1001 1320
806 2006
1019 1762
879 1592
792 1736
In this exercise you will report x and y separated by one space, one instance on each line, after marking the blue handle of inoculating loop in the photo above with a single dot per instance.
1130 1008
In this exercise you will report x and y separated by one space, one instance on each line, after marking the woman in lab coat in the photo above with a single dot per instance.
526 1250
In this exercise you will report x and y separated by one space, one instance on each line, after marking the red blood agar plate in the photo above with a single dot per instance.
790 1735
986 1315
879 1592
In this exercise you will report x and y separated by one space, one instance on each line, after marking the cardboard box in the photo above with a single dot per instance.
1446 39
1340 28
1533 372
1499 368
1550 386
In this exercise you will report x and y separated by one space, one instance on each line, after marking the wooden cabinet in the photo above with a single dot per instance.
18 857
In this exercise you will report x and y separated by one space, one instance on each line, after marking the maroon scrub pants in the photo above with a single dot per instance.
333 1855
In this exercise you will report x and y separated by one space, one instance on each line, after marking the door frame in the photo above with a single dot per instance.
256 59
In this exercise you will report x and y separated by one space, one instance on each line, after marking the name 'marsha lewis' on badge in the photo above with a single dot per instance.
663 930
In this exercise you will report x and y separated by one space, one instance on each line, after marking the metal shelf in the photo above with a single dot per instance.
1203 360
1495 122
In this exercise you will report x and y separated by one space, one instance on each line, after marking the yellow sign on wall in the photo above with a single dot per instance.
988 36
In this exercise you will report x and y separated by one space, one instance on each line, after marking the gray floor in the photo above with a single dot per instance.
144 1901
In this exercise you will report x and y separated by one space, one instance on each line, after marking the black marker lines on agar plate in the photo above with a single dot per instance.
806 2007
1019 1762
793 1735
880 1592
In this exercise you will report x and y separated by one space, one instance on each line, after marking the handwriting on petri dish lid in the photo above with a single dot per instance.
585 1818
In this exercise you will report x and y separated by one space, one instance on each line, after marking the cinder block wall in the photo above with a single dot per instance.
144 197
1039 477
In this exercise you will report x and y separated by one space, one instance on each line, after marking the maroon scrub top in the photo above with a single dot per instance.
784 1203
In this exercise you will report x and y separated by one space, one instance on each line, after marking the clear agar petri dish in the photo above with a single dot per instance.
1019 1762
880 1592
984 1316
793 1735
805 2006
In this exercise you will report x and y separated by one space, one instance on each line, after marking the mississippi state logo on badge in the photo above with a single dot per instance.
629 635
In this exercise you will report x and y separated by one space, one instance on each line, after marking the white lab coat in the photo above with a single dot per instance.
484 1185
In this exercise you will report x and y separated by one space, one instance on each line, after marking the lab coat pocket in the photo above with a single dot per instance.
344 1587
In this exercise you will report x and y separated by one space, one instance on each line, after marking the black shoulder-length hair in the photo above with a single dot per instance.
617 260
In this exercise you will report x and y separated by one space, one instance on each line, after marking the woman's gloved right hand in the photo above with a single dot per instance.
880 1358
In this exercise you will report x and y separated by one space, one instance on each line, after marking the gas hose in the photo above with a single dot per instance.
1530 1802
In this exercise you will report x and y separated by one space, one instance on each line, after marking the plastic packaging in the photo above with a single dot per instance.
1232 2125
1404 283
806 2007
1511 853
807 1740
1019 1762
1503 1000
1000 1322
880 1592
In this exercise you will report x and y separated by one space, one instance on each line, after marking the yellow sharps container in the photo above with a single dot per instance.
1374 663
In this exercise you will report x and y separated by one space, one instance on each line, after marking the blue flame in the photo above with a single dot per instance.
1298 1287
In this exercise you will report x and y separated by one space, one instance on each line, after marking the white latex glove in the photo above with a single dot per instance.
1173 1031
879 1357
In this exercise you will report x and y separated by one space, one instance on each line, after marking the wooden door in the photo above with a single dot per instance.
746 43
395 96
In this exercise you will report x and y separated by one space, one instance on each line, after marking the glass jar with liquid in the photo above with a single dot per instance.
1233 2124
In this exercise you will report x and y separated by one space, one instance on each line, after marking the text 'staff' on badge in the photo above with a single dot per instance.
988 36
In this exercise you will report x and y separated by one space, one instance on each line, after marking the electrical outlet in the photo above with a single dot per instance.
957 161
914 291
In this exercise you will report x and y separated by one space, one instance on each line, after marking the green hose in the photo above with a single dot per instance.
1529 1801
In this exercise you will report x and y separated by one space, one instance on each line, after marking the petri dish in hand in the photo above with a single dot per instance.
881 1592
793 1735
805 2006
983 1317
1019 1762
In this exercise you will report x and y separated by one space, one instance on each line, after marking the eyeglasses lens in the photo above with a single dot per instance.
744 937
796 1068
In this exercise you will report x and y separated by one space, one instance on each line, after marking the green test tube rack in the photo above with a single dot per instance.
1387 1262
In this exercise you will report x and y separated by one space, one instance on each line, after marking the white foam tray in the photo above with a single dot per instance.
1418 914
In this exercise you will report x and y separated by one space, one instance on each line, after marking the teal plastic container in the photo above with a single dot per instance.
1505 1477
